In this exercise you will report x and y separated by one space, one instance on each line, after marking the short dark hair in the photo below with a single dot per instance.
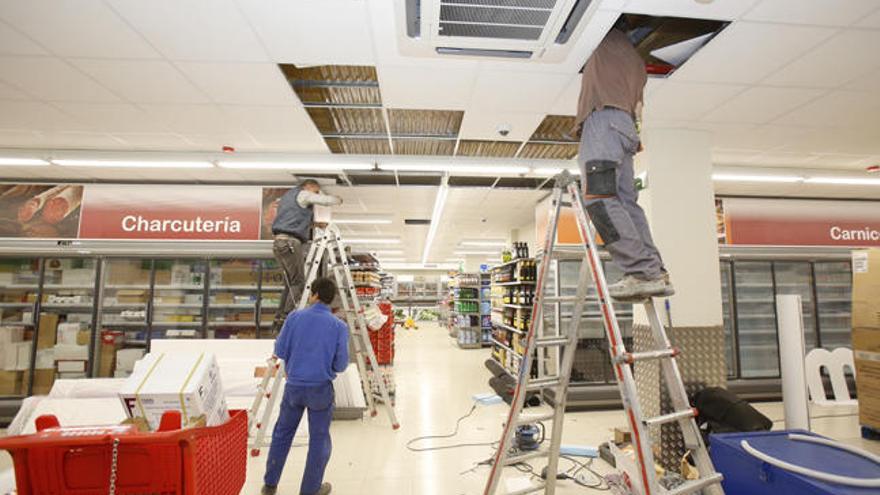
309 182
325 289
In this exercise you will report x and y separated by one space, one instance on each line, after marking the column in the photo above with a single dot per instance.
679 203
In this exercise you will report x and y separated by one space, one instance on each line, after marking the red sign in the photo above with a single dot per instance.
792 222
170 212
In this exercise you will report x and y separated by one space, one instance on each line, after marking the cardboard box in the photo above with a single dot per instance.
131 296
71 367
68 332
126 359
866 351
47 333
185 382
45 359
43 381
866 289
11 334
323 214
23 355
83 337
127 273
67 352
11 382
111 341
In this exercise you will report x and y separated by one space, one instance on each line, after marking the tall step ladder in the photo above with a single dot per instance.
328 250
566 192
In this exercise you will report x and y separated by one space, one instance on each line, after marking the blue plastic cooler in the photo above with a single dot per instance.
747 475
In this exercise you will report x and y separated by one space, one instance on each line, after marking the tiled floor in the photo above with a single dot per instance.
435 382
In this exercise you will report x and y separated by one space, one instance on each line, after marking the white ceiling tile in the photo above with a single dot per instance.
566 103
288 126
839 160
82 140
484 125
14 43
846 56
142 81
76 28
8 92
34 116
110 117
868 82
240 84
690 101
849 141
191 119
848 109
216 141
152 140
871 21
747 52
427 87
755 137
52 79
758 105
313 32
201 30
20 139
717 9
815 12
517 91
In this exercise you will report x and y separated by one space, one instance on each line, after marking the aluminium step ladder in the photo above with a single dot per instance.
328 250
536 340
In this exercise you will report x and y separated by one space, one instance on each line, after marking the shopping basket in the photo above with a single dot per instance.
123 461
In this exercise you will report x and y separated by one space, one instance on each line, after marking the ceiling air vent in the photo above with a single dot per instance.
571 22
476 52
417 221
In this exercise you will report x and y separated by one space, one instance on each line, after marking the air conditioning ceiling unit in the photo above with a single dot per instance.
538 30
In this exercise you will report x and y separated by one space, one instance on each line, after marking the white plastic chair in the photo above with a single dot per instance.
835 363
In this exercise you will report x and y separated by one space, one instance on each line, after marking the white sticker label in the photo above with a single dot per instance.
867 356
860 262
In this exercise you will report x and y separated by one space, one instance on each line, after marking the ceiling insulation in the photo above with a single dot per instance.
549 151
500 149
429 147
334 84
359 146
555 128
350 121
445 123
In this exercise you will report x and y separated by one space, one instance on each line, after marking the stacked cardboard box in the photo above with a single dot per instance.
111 341
122 272
131 296
125 361
10 346
47 333
866 334
185 382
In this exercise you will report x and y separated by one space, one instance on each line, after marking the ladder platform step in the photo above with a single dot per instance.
632 357
552 341
527 420
694 486
530 489
540 384
525 456
671 417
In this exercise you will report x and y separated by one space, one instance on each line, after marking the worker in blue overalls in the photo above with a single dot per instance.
314 346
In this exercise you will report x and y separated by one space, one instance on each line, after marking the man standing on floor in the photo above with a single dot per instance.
314 347
292 230
610 103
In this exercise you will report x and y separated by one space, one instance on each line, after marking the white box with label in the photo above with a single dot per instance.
185 382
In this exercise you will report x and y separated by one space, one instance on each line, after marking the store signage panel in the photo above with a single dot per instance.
790 222
170 212
40 210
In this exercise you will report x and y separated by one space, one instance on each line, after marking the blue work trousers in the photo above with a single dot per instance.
319 402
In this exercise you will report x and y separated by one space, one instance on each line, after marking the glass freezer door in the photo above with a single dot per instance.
756 319
271 291
178 299
19 284
122 324
730 342
232 305
796 278
834 300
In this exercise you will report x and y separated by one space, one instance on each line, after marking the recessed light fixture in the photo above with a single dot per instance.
476 253
359 240
323 167
362 220
12 161
131 164
485 243
393 260
550 172
436 215
464 169
756 178
844 181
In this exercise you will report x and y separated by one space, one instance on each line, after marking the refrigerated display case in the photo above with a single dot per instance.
756 319
727 312
833 290
233 298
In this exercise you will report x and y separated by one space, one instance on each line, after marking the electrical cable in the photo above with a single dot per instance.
450 435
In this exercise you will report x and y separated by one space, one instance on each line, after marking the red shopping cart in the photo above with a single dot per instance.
121 460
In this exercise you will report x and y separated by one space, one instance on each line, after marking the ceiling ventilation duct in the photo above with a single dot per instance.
532 29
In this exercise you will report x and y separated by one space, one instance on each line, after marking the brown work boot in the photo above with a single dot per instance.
631 288
326 488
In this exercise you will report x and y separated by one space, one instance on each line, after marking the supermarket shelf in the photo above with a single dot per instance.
16 305
273 287
125 306
181 305
233 306
234 287
467 299
123 286
509 328
504 346
182 324
517 306
17 323
67 306
368 286
515 282
124 324
231 324
511 262
179 287
20 286
476 345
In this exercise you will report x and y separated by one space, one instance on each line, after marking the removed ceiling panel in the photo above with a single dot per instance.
442 123
334 84
549 151
555 128
434 147
501 149
359 146
348 121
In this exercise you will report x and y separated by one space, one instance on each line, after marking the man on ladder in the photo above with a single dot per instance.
314 346
292 230
610 103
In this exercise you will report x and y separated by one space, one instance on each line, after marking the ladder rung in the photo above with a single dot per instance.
552 341
696 485
671 417
531 489
632 357
543 383
527 420
516 459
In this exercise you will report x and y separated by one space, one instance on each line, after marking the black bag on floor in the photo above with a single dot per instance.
721 411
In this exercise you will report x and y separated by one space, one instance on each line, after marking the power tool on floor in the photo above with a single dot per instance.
528 437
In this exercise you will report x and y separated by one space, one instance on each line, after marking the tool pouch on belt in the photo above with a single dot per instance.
601 178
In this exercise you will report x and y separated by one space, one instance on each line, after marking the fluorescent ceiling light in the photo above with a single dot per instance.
334 167
22 162
487 242
475 253
361 220
464 169
551 172
392 260
845 181
131 164
360 240
420 266
756 178
392 252
439 204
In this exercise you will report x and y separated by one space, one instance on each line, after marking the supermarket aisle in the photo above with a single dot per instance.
435 382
